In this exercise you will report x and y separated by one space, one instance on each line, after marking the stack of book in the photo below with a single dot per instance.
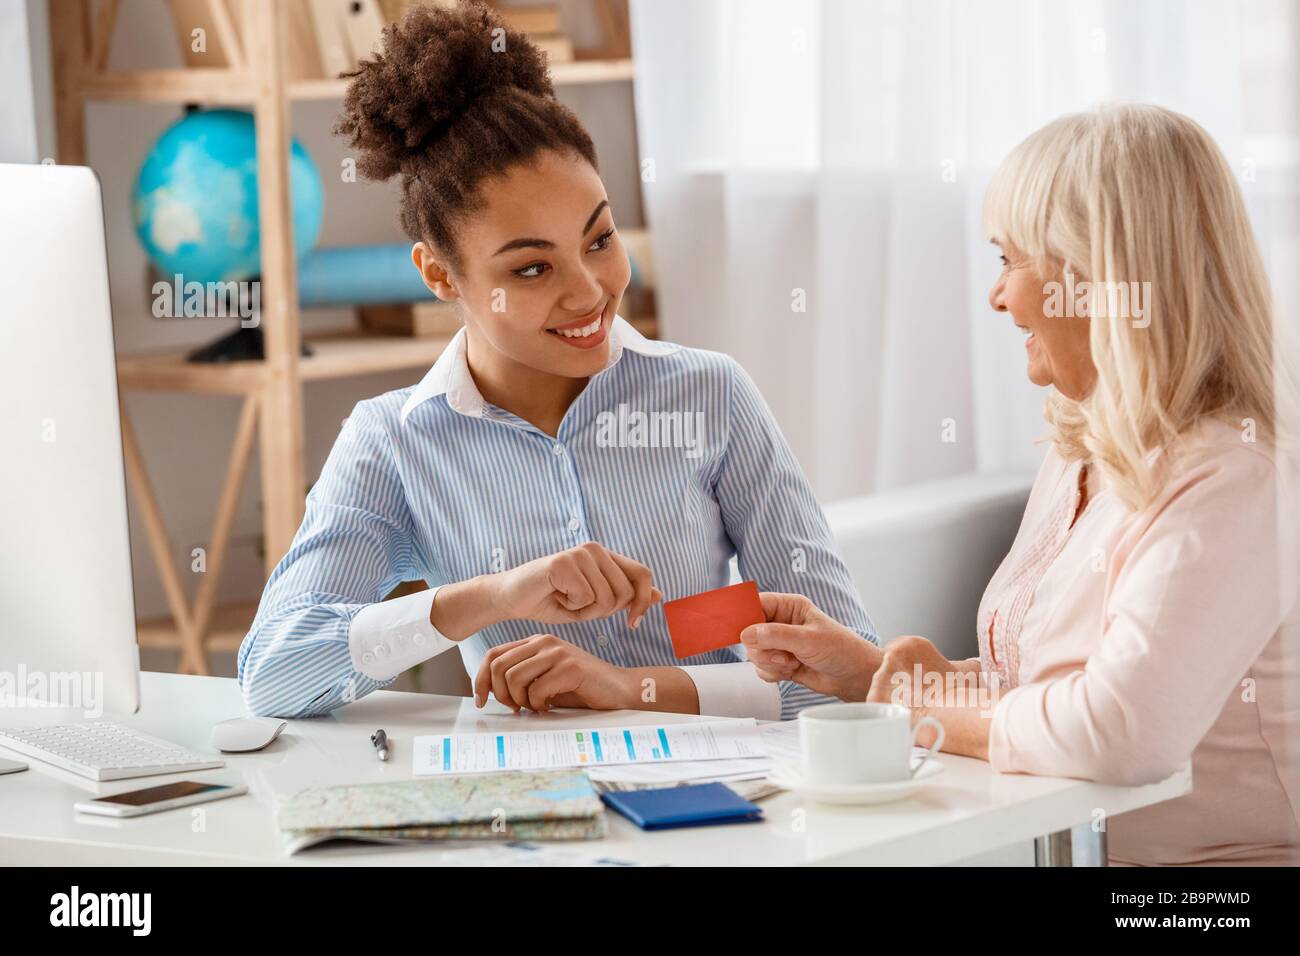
542 24
325 38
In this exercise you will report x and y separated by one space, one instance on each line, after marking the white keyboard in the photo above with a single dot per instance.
104 751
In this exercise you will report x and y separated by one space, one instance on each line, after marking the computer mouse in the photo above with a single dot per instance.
242 734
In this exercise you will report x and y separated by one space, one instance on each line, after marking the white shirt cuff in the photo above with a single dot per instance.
388 637
734 690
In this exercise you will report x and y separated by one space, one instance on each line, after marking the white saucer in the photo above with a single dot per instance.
790 777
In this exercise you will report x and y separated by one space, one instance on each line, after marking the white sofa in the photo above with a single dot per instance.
922 555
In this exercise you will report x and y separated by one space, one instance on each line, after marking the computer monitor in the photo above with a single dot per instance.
67 612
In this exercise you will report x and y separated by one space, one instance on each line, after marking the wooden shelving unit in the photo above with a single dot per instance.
271 390
337 354
215 87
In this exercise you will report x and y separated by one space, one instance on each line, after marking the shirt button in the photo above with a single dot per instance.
381 650
557 449
603 641
574 524
367 658
419 639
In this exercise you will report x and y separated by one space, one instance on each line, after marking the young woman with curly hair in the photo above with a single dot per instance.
554 468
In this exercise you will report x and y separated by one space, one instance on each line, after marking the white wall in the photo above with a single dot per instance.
24 56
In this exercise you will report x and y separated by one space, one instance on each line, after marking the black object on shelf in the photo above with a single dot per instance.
241 345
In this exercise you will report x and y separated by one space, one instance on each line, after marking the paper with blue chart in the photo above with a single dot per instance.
453 753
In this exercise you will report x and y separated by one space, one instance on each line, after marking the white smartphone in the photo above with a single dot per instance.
137 803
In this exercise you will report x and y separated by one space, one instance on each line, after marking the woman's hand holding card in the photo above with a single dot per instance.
581 584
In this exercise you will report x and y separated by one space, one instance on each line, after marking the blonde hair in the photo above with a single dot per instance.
1132 193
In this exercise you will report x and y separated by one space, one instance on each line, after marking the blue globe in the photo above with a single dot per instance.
195 200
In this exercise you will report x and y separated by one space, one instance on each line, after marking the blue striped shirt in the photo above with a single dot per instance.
669 456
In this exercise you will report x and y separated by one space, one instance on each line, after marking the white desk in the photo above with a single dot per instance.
967 810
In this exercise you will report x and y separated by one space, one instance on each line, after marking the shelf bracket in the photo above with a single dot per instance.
192 621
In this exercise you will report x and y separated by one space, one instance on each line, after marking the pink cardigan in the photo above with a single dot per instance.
1134 642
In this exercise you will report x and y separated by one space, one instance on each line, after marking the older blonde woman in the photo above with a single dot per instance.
1145 615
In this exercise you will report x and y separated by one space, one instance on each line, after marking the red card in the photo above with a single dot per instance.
714 619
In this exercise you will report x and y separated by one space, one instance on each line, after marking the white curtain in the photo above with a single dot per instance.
814 171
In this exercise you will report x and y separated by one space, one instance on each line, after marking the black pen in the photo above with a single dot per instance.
380 740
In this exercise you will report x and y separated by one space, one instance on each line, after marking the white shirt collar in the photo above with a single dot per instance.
450 374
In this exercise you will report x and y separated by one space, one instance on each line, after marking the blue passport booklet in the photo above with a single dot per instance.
696 805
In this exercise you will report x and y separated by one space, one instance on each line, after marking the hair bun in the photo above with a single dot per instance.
432 67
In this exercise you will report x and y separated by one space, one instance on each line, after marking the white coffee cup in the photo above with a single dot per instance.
846 744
